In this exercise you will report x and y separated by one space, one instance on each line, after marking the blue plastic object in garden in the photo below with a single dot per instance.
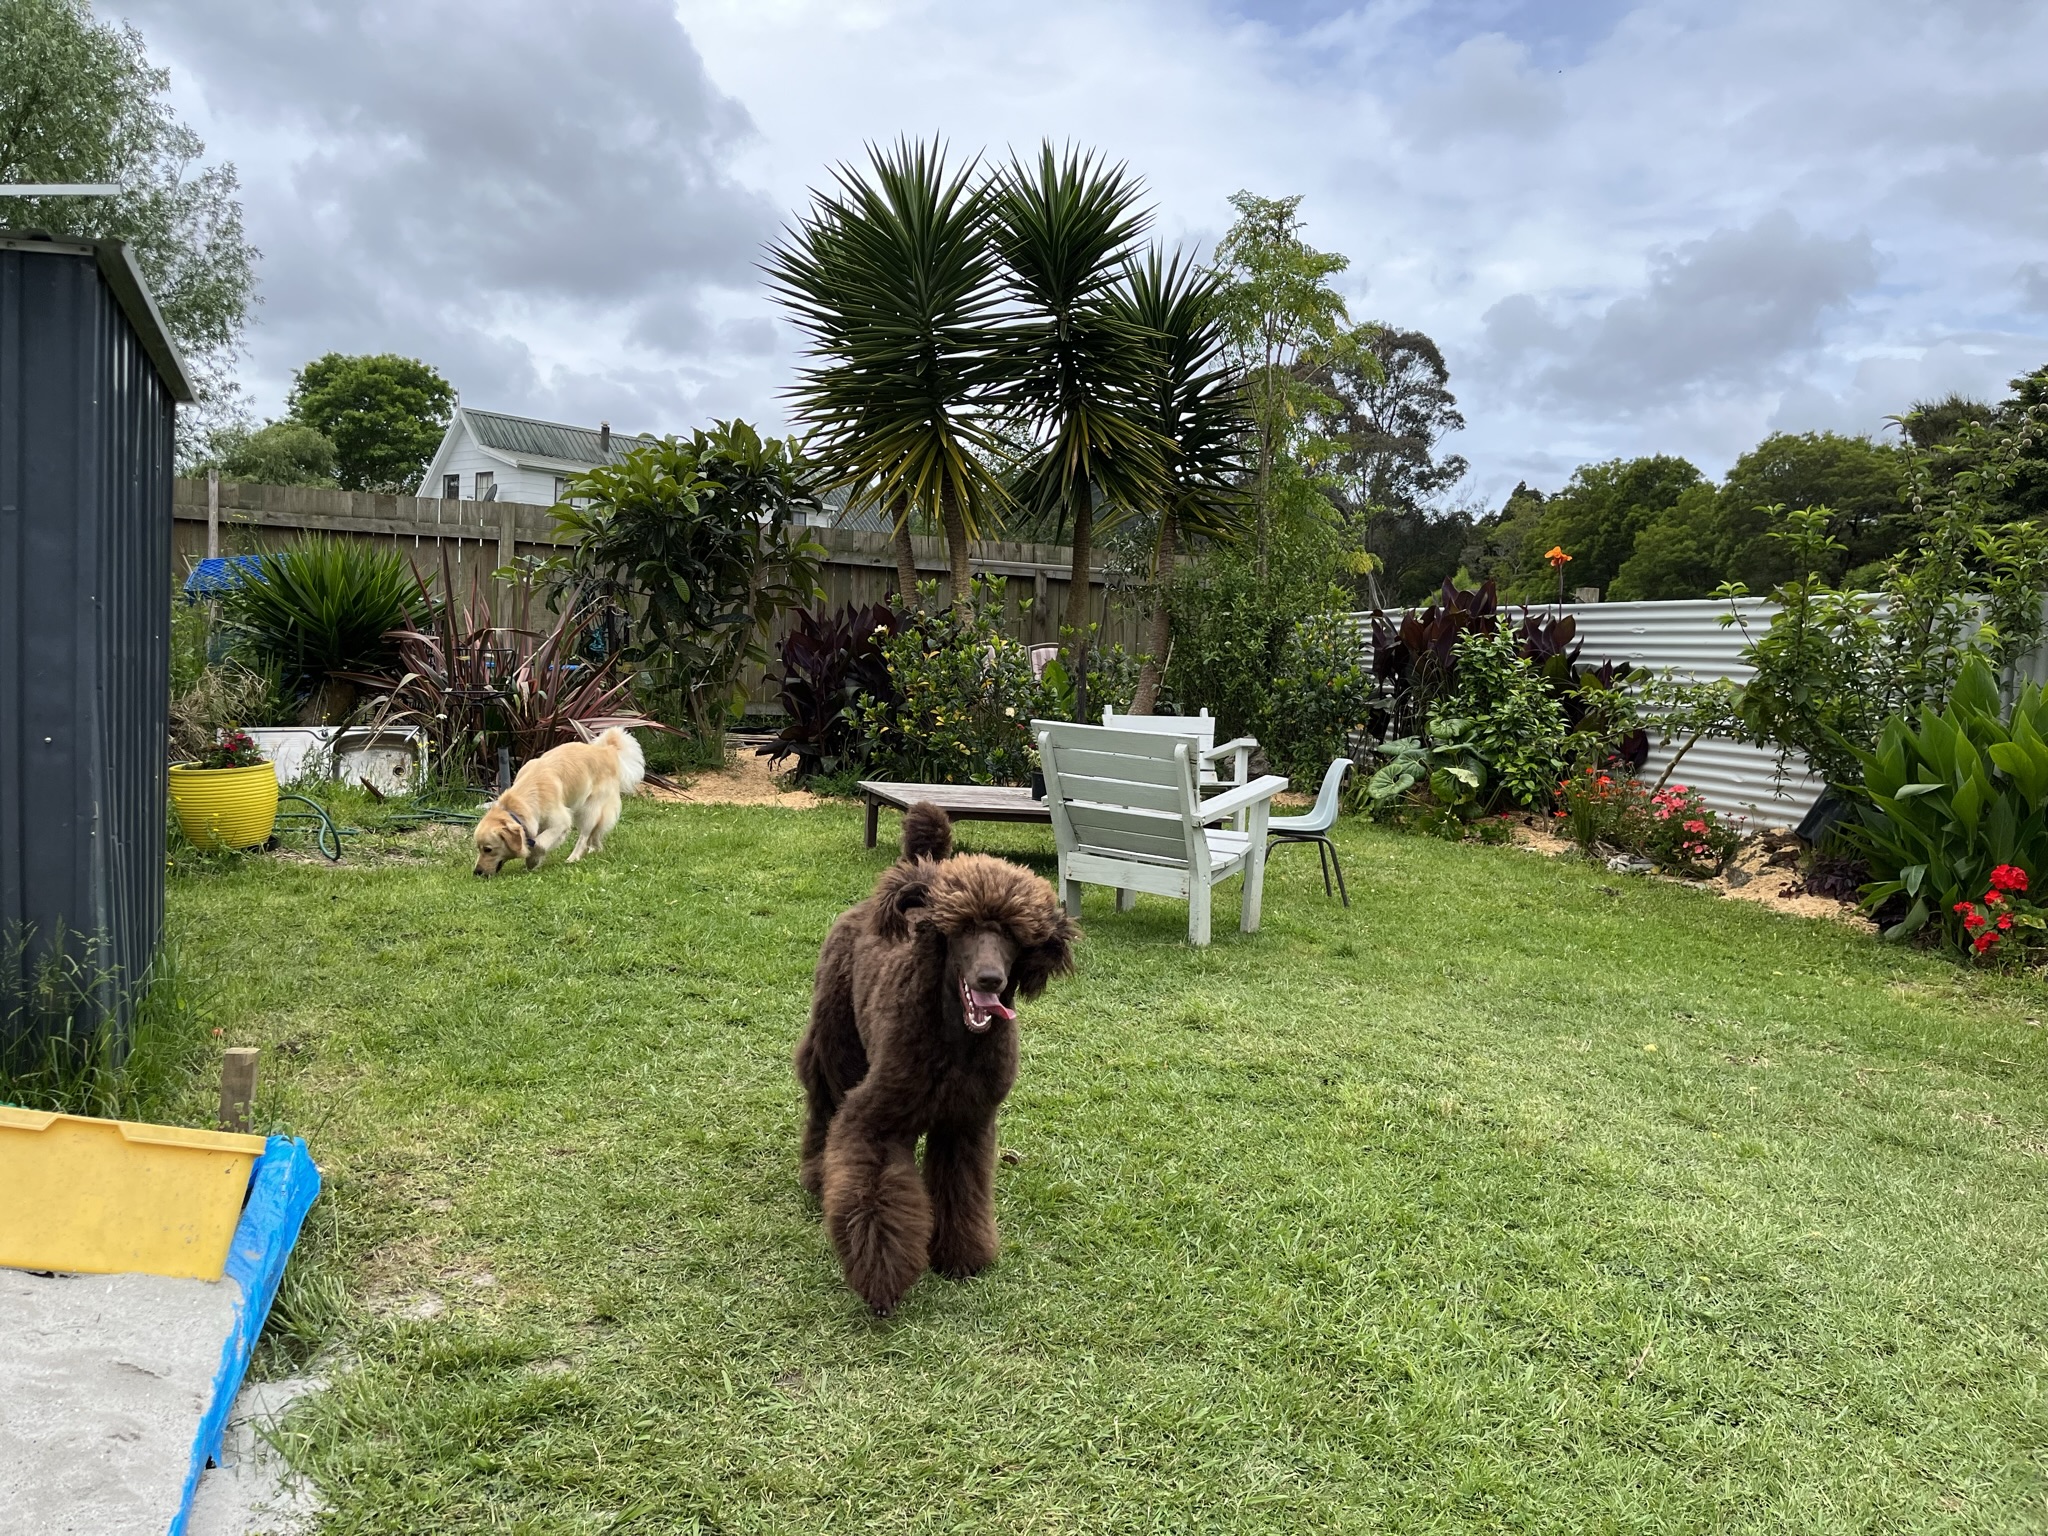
1314 827
210 578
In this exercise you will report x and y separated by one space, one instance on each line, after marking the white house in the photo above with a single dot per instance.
489 456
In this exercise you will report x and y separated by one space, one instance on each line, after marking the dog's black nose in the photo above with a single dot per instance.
990 981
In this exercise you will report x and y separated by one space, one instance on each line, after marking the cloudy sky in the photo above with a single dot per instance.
1669 226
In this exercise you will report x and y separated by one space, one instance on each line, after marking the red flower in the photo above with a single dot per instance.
1992 898
1975 920
1983 942
1696 826
2009 877
2005 921
1963 906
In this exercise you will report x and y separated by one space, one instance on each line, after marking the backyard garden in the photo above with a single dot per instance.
1528 1185
1517 1196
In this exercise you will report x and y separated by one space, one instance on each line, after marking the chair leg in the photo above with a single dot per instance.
1339 866
1125 900
1323 859
1198 914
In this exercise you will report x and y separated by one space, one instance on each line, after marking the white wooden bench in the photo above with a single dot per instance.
1126 813
1201 728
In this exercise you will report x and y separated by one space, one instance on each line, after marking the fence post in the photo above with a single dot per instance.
213 514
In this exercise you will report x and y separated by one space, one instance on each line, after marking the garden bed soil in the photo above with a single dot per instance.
1750 876
746 779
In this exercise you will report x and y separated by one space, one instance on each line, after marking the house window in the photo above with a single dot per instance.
561 488
451 487
486 482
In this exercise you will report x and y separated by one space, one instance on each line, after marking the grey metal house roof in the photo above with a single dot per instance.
548 439
868 518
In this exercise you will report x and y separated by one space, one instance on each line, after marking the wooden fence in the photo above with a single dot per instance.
483 536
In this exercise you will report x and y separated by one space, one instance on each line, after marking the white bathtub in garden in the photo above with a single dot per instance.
387 759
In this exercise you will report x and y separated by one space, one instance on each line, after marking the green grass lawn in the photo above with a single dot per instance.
1519 1197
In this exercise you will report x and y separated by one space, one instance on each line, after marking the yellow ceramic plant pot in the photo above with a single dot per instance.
225 807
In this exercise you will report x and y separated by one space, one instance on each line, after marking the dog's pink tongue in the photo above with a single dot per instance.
989 1003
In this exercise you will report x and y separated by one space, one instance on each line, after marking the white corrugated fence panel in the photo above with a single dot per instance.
1689 639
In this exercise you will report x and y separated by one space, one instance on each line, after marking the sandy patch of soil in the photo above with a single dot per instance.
746 779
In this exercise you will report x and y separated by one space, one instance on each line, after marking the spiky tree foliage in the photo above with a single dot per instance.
1076 360
1195 403
894 281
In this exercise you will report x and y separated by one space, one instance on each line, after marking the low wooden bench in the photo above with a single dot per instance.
962 802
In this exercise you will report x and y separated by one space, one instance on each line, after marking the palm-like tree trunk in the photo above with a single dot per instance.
956 545
906 555
1074 625
1154 671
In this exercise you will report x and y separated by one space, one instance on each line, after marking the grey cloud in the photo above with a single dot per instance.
1719 313
1483 88
454 168
2033 284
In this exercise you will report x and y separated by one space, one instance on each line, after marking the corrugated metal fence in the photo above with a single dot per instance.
1689 639
1692 642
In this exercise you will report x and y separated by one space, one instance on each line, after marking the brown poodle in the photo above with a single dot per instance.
913 1034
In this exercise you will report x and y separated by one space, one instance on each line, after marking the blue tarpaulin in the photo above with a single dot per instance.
210 578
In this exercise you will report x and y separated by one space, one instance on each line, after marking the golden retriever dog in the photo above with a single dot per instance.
575 787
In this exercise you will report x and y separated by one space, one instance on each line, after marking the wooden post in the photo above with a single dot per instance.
508 535
213 514
237 1087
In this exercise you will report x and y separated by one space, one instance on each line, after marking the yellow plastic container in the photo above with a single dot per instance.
112 1197
225 807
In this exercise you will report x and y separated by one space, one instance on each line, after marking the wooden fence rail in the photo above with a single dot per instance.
482 536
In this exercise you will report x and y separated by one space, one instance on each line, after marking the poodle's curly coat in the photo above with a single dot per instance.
913 1034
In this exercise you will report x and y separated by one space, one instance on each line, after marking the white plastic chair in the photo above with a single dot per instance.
1314 825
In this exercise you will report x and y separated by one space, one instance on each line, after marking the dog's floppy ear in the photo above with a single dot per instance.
899 893
1052 956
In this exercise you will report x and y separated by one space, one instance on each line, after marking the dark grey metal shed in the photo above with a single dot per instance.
89 384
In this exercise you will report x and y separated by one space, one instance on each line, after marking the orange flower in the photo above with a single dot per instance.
1556 556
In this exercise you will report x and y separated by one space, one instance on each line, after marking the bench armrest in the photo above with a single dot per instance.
1229 748
1242 798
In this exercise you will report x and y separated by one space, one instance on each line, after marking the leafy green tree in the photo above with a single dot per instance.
1278 308
1934 423
1595 518
1394 406
700 543
277 453
1076 362
2024 483
384 414
894 280
1864 483
1195 404
80 102
1677 555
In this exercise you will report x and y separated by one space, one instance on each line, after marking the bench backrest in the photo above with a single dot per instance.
1200 729
1122 793
1202 726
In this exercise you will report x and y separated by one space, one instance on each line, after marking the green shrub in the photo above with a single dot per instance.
1503 714
1272 656
1318 698
964 700
322 608
700 543
1951 796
